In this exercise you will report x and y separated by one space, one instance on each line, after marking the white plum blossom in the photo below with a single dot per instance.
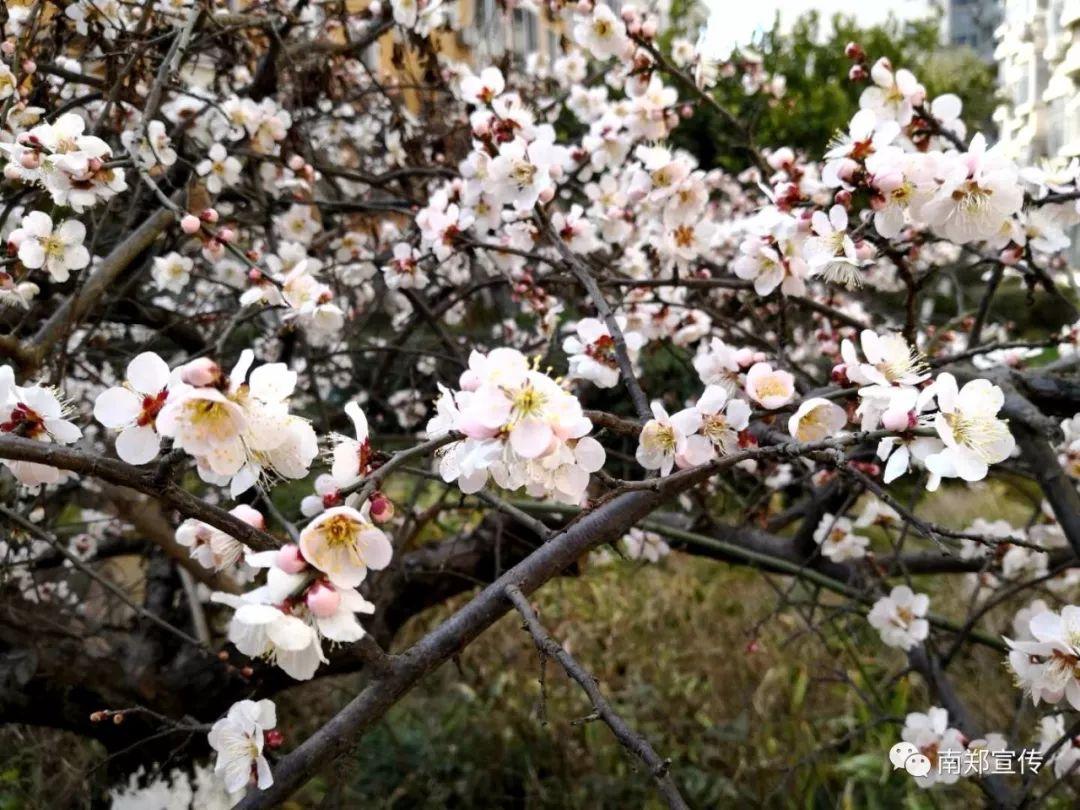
239 739
723 418
211 547
592 351
1048 666
343 543
899 617
838 540
172 271
602 34
665 438
968 424
132 408
352 457
831 253
58 250
34 412
239 427
639 544
930 732
220 169
816 419
770 388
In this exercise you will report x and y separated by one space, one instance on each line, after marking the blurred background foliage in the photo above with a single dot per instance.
820 100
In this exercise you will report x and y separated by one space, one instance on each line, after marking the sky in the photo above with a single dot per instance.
733 22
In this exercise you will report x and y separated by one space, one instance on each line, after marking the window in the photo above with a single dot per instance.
526 32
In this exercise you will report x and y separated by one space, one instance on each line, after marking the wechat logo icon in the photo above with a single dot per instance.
905 755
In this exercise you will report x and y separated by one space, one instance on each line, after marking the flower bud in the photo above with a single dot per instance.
1012 255
857 73
190 224
296 163
854 51
226 235
251 516
201 372
839 374
896 420
273 739
290 560
209 215
382 508
322 600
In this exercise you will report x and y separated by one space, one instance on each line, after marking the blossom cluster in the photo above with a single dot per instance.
520 428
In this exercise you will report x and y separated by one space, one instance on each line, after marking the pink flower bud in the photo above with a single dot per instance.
290 560
190 224
8 48
201 372
226 235
251 516
382 508
1012 255
895 420
857 73
273 739
854 51
296 163
648 28
375 8
744 357
839 374
547 195
842 197
209 215
323 600
29 66
30 160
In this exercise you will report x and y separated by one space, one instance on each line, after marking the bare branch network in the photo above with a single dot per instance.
312 321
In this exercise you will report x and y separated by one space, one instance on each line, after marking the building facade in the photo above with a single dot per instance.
971 24
1038 57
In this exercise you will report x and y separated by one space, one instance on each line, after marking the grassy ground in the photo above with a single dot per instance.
716 665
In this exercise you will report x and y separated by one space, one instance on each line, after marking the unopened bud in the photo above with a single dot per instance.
209 215
382 508
853 50
857 73
190 224
323 600
290 560
895 420
201 372
273 739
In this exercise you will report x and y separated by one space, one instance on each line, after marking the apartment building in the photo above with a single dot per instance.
1038 57
971 24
